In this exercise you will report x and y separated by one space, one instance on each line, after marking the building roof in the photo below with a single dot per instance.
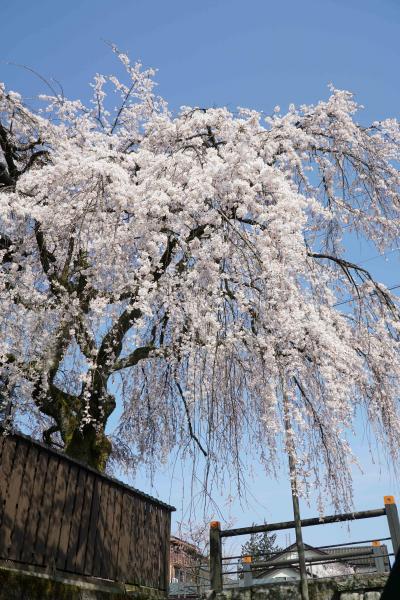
361 561
186 546
357 562
293 548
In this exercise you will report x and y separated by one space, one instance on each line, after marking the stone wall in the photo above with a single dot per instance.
355 587
36 584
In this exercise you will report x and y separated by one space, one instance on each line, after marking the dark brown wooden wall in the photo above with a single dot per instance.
57 513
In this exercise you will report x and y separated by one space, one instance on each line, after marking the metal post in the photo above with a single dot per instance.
247 573
379 562
393 521
300 547
291 450
215 556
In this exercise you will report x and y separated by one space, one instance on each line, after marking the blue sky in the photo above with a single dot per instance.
256 54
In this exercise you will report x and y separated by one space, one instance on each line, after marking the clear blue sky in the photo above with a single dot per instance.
256 53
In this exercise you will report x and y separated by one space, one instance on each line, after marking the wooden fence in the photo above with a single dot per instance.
217 534
60 514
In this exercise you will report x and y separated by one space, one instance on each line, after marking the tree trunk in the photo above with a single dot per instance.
87 443
90 446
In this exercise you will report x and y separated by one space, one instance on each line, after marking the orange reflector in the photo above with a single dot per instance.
215 524
246 559
389 500
376 543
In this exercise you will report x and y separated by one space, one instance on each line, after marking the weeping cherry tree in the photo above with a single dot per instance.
192 266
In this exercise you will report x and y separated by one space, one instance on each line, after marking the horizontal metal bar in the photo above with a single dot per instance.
378 555
352 543
231 559
202 567
381 539
252 555
364 514
312 559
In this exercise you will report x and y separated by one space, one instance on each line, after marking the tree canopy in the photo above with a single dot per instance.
261 546
193 265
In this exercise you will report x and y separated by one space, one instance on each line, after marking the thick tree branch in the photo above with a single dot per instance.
133 358
65 272
9 153
5 179
46 257
34 158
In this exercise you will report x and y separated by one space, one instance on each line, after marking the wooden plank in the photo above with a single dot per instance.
133 570
143 554
3 438
166 548
155 549
160 553
92 531
80 517
35 507
100 555
109 556
151 544
6 465
139 558
160 550
45 511
13 497
88 511
67 517
24 502
116 532
57 511
124 539
145 551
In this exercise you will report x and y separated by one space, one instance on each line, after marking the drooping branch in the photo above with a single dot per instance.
316 422
347 267
189 421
